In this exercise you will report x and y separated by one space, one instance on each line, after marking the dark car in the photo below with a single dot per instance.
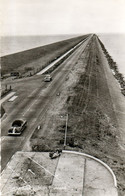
17 127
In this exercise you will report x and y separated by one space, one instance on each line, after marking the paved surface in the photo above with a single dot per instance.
7 97
60 58
72 174
13 98
34 98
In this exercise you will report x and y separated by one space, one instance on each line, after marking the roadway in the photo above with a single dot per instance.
34 98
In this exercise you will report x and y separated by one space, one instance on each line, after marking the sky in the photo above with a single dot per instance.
46 17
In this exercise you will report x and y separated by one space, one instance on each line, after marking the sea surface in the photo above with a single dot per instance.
114 43
14 44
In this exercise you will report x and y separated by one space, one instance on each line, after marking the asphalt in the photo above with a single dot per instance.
7 97
33 95
71 174
60 58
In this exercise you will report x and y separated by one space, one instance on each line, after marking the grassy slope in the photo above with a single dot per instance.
37 57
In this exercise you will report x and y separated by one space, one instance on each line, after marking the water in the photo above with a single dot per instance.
114 43
10 45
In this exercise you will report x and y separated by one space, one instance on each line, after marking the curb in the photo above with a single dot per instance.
98 160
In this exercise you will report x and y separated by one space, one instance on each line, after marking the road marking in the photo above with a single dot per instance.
44 90
29 108
32 93
7 97
13 98
34 101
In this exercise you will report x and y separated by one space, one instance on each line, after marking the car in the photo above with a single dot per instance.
47 78
17 127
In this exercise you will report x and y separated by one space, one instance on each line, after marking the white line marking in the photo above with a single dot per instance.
13 98
7 97
32 93
29 108
45 69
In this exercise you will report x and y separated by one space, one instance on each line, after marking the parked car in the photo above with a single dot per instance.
17 127
15 73
47 78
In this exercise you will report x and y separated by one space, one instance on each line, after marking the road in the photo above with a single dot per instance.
34 98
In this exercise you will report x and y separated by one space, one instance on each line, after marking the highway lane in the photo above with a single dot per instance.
34 97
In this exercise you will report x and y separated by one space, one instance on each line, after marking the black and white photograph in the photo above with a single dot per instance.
62 100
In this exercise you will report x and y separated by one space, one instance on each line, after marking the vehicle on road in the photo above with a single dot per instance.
47 78
17 127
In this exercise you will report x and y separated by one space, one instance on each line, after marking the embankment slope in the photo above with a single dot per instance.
37 58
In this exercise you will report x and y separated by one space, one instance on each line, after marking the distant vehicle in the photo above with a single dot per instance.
47 78
17 127
15 73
